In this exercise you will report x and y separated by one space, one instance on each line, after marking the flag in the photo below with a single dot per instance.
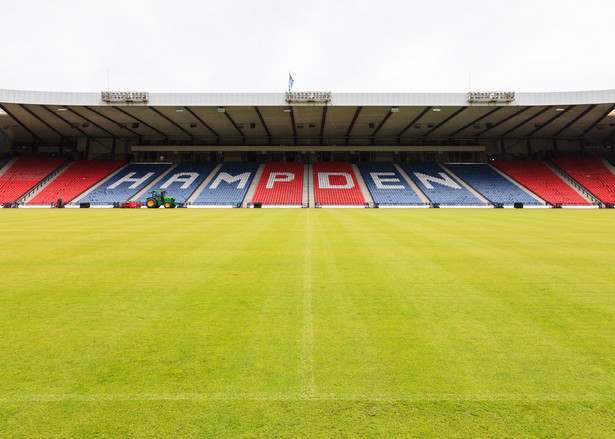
291 81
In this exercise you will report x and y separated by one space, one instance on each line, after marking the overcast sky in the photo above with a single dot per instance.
328 45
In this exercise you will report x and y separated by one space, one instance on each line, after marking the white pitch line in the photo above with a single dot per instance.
307 345
263 396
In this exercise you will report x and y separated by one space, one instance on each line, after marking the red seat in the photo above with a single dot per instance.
75 180
336 194
541 180
24 174
280 192
592 174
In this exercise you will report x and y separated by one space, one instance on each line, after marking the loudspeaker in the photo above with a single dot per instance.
498 205
518 205
258 205
84 205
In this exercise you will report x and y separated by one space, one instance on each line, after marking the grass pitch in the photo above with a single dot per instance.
307 323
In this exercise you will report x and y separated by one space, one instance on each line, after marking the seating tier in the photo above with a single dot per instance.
592 174
541 180
387 186
125 184
76 179
281 184
491 184
439 186
24 174
336 185
182 181
228 186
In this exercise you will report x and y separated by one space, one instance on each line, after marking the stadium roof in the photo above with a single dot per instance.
344 119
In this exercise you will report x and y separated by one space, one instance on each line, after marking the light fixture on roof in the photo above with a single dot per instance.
62 108
436 109
221 110
394 109
559 109
288 110
179 110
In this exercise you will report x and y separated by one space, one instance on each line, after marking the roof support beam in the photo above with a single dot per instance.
602 116
203 122
91 122
292 121
354 119
475 121
113 121
506 119
20 123
573 121
63 120
559 114
40 119
445 121
260 117
415 120
322 124
228 116
533 116
140 121
172 122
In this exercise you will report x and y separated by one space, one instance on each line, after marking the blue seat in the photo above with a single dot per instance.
228 186
439 186
387 186
182 181
492 185
125 184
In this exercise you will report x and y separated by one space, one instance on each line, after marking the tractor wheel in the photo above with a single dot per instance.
169 205
151 203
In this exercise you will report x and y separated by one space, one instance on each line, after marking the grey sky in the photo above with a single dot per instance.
334 45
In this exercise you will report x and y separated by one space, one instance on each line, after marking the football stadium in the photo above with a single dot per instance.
371 265
313 219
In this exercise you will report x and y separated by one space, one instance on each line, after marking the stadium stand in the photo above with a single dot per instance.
439 186
125 184
492 185
24 174
280 185
336 185
182 181
76 179
541 180
229 185
387 186
591 173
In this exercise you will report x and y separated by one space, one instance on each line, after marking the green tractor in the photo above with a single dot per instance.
159 198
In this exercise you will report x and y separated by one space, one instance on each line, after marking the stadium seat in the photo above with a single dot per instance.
280 185
336 185
492 185
182 181
24 174
541 180
387 186
592 174
125 184
439 186
76 179
229 186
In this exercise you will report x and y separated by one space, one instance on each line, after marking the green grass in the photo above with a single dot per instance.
307 323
